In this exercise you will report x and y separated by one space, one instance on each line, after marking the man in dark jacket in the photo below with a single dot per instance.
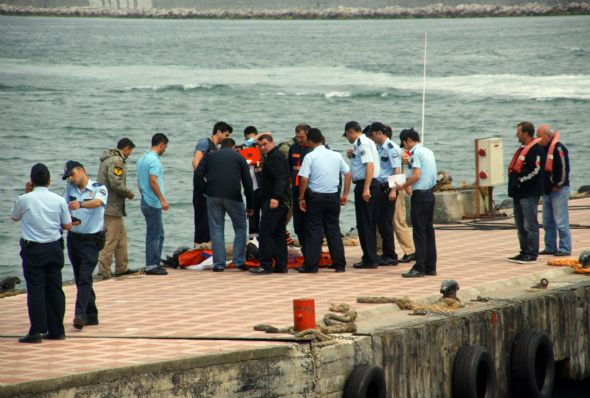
112 173
556 193
221 131
221 174
276 199
297 152
525 186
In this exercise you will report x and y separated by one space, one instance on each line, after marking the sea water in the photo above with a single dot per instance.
70 88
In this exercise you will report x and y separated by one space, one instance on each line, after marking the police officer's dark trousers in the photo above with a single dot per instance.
272 237
422 212
323 213
83 254
366 215
42 264
385 210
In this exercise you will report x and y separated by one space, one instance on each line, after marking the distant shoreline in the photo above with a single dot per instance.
432 11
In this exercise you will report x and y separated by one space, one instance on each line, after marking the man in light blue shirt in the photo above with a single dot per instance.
150 178
390 162
86 200
421 184
43 214
365 169
319 199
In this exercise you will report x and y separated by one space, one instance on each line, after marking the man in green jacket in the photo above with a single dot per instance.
112 172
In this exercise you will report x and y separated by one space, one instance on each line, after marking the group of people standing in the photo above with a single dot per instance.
92 212
313 182
310 180
539 168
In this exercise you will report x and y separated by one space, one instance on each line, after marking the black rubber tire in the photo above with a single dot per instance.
474 373
532 365
365 381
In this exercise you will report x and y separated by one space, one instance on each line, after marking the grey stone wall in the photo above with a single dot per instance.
265 4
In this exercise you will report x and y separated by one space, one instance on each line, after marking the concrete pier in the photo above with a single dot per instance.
190 333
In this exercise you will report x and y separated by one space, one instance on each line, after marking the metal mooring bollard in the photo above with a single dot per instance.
304 314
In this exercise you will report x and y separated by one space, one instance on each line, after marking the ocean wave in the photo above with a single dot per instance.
337 94
314 80
579 52
175 87
27 88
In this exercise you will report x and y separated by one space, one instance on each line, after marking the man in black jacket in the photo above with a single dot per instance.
220 175
276 198
525 186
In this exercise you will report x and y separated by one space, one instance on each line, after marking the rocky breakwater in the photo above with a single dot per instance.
431 11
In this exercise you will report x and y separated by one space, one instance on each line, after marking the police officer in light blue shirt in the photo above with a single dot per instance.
86 200
365 170
319 199
43 214
390 160
421 184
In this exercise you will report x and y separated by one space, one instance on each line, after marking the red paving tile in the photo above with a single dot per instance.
192 304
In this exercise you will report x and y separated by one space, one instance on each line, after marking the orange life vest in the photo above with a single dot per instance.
549 161
518 159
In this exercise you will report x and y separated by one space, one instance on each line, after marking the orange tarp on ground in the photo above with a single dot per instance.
197 256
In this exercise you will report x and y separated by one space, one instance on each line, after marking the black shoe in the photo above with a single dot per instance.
561 254
384 261
339 269
260 271
242 267
157 271
546 252
93 322
280 270
304 270
431 273
356 265
526 259
47 336
31 338
362 265
516 258
128 272
218 268
413 274
78 323
408 258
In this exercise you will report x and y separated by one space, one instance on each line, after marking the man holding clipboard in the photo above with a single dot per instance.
421 185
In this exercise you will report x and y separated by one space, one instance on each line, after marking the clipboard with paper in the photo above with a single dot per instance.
399 178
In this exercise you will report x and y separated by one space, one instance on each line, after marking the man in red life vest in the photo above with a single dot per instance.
525 186
556 194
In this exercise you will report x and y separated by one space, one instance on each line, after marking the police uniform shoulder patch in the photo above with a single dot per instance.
390 145
118 170
362 153
103 190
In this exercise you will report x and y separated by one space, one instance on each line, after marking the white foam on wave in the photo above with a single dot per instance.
330 82
337 94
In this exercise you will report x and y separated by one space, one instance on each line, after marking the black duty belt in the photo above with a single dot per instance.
29 243
78 236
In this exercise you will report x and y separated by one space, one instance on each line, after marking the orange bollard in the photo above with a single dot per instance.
304 314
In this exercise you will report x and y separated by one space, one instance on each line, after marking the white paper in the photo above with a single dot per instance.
399 178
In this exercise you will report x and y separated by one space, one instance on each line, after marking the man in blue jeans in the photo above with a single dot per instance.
525 186
556 194
150 178
220 175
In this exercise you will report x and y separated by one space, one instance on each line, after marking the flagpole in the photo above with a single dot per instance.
424 88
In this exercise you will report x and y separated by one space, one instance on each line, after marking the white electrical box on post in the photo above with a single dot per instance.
489 171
